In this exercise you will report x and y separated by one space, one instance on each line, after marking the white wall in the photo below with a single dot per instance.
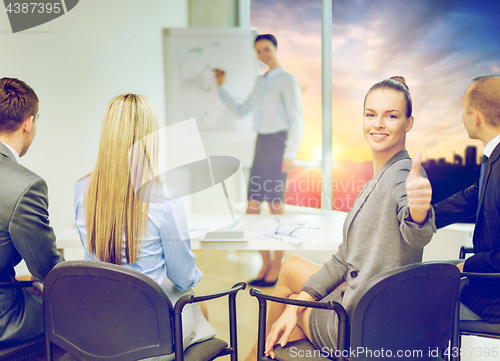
216 13
76 64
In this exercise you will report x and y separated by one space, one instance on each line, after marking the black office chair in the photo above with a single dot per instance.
101 311
29 350
411 310
474 328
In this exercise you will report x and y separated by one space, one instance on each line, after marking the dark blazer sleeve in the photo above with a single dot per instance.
31 233
458 207
484 262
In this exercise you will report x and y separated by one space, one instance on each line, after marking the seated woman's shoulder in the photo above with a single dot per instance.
160 193
80 184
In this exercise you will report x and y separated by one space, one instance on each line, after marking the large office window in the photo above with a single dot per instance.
297 26
438 46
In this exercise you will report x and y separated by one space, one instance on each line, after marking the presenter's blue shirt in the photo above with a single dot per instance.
276 105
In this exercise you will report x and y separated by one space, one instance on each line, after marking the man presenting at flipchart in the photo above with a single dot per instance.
481 117
24 220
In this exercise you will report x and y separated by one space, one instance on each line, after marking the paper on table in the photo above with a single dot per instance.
296 238
273 223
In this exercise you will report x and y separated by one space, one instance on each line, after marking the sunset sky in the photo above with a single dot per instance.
438 46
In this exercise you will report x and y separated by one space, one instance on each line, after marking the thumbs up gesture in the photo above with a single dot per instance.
418 192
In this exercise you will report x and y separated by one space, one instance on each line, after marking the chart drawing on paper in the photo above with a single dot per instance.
191 56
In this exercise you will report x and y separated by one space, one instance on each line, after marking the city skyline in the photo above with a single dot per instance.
349 177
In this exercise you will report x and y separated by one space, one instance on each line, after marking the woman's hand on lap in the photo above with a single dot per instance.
285 324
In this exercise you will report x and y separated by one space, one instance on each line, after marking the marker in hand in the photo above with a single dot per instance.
418 191
220 75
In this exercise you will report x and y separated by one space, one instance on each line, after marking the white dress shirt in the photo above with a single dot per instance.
276 104
12 150
490 147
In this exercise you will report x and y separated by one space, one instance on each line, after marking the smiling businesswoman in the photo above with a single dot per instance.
388 226
277 114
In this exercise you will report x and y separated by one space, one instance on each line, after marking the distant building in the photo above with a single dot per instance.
458 160
470 156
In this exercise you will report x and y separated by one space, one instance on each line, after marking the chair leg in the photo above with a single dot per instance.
261 340
232 327
179 351
445 352
48 349
453 351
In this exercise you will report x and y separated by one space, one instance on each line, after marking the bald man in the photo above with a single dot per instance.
481 117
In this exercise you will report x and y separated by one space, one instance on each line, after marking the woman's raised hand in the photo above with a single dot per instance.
283 325
220 75
418 192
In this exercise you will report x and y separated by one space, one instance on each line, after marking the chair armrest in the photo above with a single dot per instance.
330 305
38 285
23 284
16 284
233 290
467 276
471 275
464 250
184 300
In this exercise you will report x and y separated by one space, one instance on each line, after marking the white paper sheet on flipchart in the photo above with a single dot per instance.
273 223
297 237
205 225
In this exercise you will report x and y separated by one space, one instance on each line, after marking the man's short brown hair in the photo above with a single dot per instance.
17 102
484 95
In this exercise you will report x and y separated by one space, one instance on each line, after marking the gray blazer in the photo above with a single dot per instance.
378 234
24 234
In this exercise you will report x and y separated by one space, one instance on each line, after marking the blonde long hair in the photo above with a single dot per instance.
116 201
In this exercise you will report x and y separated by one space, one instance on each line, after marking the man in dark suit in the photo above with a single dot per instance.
481 117
24 220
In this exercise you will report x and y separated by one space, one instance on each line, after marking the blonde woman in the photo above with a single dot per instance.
127 218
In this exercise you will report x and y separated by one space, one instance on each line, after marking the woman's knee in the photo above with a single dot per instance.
295 271
291 263
300 264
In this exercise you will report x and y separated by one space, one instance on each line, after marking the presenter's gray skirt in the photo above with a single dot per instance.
324 324
267 183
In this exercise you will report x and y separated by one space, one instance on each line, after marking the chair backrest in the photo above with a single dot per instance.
405 314
100 311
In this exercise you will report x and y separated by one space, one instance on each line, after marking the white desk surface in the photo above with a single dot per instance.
330 225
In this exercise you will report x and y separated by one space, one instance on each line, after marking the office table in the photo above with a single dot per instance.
329 225
444 245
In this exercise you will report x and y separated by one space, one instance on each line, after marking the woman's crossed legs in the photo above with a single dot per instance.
294 272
